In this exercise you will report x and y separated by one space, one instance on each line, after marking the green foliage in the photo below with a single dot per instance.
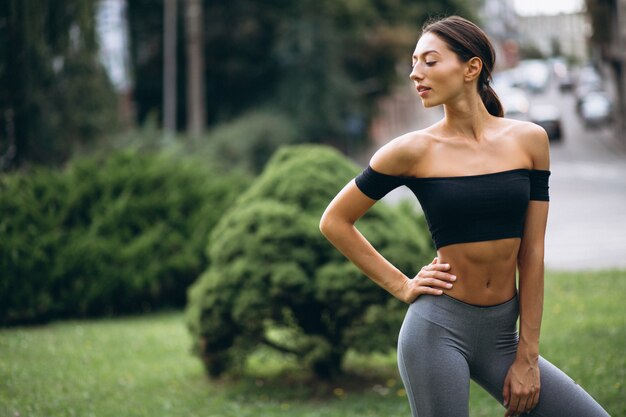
250 140
275 280
54 94
124 232
321 62
32 206
530 51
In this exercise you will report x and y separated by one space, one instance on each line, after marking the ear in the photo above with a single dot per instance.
473 67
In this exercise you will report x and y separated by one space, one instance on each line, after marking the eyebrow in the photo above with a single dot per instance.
426 53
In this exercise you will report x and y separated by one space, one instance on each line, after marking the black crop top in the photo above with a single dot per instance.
467 208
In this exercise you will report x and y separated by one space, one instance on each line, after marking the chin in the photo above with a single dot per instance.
430 103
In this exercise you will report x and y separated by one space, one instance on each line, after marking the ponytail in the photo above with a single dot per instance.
490 100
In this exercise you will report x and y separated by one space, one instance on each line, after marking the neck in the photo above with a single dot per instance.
466 117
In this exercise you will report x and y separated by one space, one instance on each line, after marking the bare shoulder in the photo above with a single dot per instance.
533 140
400 155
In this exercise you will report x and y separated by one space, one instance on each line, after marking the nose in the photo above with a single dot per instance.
416 74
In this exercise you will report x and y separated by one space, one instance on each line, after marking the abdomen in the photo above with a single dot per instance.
485 270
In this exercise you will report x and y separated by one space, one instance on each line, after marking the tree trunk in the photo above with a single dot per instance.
329 367
195 68
169 67
621 81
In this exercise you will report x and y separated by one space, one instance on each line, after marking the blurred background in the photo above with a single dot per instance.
164 165
78 71
89 76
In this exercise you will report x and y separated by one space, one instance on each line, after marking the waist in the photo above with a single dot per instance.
453 313
485 271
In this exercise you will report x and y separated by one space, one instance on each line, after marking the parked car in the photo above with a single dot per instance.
535 74
589 75
596 109
508 78
564 76
548 117
515 102
584 90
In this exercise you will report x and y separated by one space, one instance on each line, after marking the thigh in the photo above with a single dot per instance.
433 368
559 395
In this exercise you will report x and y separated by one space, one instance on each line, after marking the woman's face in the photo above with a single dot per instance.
437 72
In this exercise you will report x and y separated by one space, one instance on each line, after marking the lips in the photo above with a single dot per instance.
422 90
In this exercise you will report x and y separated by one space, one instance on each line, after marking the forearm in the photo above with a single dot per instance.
531 277
352 244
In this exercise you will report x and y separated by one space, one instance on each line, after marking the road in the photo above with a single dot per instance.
587 216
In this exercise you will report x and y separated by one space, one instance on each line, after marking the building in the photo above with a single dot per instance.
499 20
559 34
608 37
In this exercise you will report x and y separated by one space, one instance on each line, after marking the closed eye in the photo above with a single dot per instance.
428 64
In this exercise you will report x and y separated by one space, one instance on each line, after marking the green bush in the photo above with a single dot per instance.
275 280
32 207
115 234
249 141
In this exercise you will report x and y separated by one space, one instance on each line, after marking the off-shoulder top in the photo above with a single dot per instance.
467 208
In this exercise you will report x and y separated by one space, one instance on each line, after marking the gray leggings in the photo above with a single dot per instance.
444 342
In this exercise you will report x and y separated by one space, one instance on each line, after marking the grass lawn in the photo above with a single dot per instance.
140 366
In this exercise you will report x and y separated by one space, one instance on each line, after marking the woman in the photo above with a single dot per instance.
482 181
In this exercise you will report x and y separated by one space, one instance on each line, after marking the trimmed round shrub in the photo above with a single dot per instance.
122 233
274 280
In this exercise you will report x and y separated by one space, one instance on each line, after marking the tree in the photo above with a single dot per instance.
54 94
321 62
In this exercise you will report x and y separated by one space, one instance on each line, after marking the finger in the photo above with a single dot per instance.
514 404
441 275
531 403
521 404
535 400
426 289
433 282
524 404
532 400
429 290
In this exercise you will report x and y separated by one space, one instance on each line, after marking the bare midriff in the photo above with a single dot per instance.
485 271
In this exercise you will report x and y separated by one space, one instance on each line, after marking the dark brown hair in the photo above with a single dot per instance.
468 40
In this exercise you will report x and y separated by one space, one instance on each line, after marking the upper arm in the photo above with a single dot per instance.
535 223
395 158
537 145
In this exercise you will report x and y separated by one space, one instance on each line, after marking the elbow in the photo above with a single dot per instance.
329 225
325 224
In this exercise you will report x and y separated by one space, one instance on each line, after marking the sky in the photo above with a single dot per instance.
530 7
113 38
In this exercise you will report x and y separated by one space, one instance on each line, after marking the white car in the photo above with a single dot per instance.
515 102
596 109
547 116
